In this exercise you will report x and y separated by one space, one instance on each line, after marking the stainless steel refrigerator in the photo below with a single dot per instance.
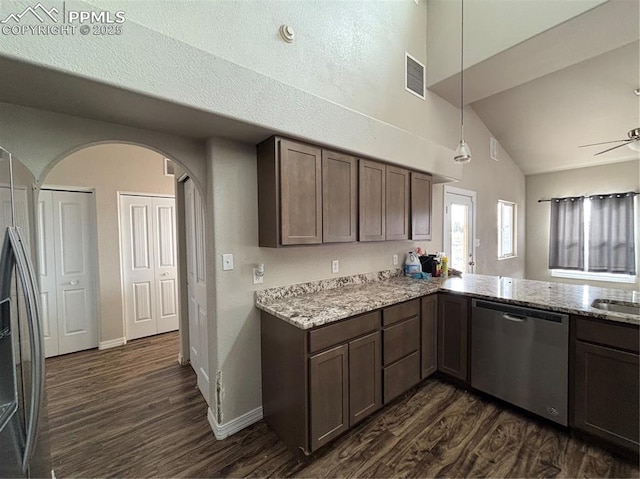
24 444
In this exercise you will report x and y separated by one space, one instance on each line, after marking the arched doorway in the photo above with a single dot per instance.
145 217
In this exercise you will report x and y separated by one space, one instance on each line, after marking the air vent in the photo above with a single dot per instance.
414 76
493 148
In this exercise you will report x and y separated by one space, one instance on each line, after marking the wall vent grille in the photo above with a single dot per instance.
414 76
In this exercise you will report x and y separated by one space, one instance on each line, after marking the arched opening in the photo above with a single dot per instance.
121 248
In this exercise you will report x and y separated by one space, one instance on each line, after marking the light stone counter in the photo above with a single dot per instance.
309 305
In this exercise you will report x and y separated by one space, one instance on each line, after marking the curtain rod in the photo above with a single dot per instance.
588 196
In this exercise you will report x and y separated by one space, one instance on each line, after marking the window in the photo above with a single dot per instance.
594 237
507 221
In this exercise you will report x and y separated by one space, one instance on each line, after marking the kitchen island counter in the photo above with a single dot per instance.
313 304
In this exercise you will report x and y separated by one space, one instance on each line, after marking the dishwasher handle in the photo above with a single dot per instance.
514 317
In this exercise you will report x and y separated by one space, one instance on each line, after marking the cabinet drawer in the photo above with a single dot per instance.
399 377
608 333
398 312
343 331
400 339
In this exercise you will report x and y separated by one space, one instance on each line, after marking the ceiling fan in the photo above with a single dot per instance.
633 141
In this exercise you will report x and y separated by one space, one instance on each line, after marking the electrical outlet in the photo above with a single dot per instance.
227 262
395 260
258 278
335 266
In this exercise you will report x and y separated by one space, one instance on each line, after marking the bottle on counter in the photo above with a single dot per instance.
445 266
412 264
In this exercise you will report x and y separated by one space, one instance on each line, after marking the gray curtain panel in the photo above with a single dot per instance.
611 236
566 233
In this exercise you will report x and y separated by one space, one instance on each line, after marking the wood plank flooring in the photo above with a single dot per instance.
134 412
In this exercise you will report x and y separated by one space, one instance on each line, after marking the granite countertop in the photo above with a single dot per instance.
313 304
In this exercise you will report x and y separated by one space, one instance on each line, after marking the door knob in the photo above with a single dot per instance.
472 263
165 274
74 282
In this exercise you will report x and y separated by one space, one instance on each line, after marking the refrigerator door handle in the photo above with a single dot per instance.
28 279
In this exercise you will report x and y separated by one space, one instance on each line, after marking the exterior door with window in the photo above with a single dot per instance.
459 220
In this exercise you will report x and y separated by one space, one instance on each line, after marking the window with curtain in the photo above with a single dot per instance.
593 237
566 233
612 234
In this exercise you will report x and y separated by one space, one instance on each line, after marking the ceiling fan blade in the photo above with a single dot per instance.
618 146
603 143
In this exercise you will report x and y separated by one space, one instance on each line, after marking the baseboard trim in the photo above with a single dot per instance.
181 360
112 343
222 431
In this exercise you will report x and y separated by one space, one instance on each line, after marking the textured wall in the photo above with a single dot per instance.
109 169
611 178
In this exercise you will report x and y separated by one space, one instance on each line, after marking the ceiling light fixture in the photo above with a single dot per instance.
463 152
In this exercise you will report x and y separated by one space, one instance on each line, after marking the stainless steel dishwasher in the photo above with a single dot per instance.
521 355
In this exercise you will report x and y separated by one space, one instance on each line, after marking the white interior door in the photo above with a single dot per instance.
197 286
459 228
148 250
68 271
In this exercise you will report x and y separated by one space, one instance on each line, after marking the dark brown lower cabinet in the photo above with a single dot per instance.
329 394
365 364
606 394
429 336
453 327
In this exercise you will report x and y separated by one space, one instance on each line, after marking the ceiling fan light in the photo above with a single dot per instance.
634 145
463 153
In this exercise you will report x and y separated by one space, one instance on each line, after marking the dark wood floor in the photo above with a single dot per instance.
134 412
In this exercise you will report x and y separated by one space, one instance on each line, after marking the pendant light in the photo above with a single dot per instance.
463 152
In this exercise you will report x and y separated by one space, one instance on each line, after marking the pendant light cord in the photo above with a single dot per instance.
462 71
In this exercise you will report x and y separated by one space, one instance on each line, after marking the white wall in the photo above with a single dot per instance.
109 169
491 26
612 178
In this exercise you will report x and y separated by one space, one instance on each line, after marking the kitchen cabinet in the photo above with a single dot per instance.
365 392
318 383
310 195
421 191
428 335
289 193
372 201
339 197
397 204
453 327
606 381
329 395
401 348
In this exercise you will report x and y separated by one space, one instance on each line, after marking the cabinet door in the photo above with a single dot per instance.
339 197
452 335
421 206
606 394
372 181
365 370
429 347
300 193
397 204
328 395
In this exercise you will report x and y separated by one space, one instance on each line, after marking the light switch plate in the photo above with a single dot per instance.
227 262
395 260
335 266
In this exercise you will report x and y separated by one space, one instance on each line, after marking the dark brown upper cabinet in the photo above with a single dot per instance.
421 187
289 193
372 219
339 197
397 204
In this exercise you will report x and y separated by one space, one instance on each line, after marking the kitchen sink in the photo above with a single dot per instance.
624 307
